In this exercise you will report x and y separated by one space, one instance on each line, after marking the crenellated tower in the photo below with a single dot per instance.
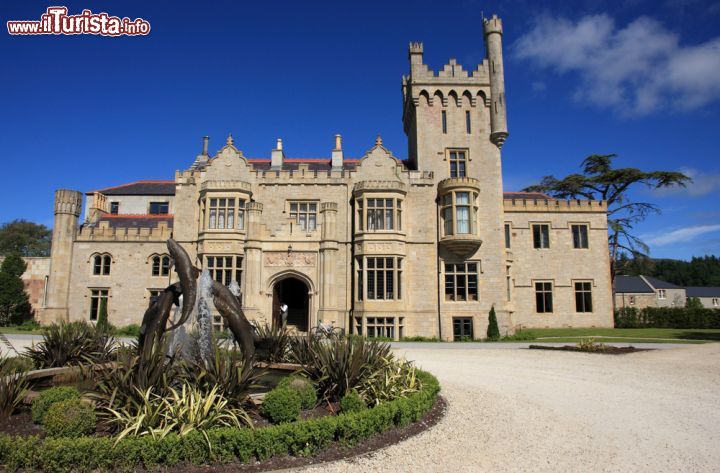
68 204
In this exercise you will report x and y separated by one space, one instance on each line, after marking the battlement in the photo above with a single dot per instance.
104 232
68 201
492 25
553 205
379 186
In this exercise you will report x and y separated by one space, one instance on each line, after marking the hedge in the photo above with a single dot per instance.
667 317
227 444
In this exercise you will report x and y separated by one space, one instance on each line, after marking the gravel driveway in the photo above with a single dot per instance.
526 410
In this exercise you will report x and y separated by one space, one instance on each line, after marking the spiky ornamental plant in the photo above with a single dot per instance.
493 332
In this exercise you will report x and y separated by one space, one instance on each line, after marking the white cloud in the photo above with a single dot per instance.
681 235
538 86
636 70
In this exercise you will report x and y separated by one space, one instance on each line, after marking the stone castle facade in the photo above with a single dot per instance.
377 245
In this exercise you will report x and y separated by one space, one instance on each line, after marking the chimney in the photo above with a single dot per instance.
337 153
206 140
277 156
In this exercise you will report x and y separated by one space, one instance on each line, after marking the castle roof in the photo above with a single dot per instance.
632 284
152 187
695 291
167 187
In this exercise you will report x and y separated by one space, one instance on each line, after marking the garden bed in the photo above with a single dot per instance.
304 438
605 350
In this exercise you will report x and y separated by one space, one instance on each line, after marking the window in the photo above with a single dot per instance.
583 297
381 214
154 294
458 162
715 302
359 273
221 213
98 299
507 235
380 327
304 214
580 236
508 283
225 269
461 282
541 235
383 278
462 329
632 300
159 208
467 122
101 265
661 294
114 208
459 213
543 297
161 265
444 122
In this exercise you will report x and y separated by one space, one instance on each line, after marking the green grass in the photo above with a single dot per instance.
15 329
630 335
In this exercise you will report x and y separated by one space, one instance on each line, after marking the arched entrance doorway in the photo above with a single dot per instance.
295 293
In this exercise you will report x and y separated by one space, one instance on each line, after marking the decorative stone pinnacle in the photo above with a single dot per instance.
338 142
229 139
378 140
279 144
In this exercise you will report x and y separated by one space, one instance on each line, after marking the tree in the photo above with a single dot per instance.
493 332
102 322
600 181
25 238
14 303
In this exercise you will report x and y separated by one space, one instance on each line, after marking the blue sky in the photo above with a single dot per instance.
640 78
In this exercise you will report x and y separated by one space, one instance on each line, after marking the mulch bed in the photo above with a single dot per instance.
608 350
334 452
21 424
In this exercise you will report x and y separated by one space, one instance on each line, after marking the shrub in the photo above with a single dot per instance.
352 402
47 398
282 405
102 323
13 387
28 326
183 411
339 365
667 317
226 371
493 332
15 364
71 344
132 330
304 387
590 345
14 303
520 336
70 418
419 338
394 379
273 344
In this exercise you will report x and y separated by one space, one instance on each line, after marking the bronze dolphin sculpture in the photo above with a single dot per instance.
188 280
227 304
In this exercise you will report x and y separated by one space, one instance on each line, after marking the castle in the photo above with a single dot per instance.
380 246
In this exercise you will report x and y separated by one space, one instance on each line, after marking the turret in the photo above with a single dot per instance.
498 116
68 204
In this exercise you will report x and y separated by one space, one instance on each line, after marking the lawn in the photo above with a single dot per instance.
631 335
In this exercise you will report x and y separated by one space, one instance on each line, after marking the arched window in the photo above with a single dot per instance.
101 265
160 265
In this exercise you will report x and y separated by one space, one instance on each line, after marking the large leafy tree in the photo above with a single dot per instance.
25 238
14 304
599 180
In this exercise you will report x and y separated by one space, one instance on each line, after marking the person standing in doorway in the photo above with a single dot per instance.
283 314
